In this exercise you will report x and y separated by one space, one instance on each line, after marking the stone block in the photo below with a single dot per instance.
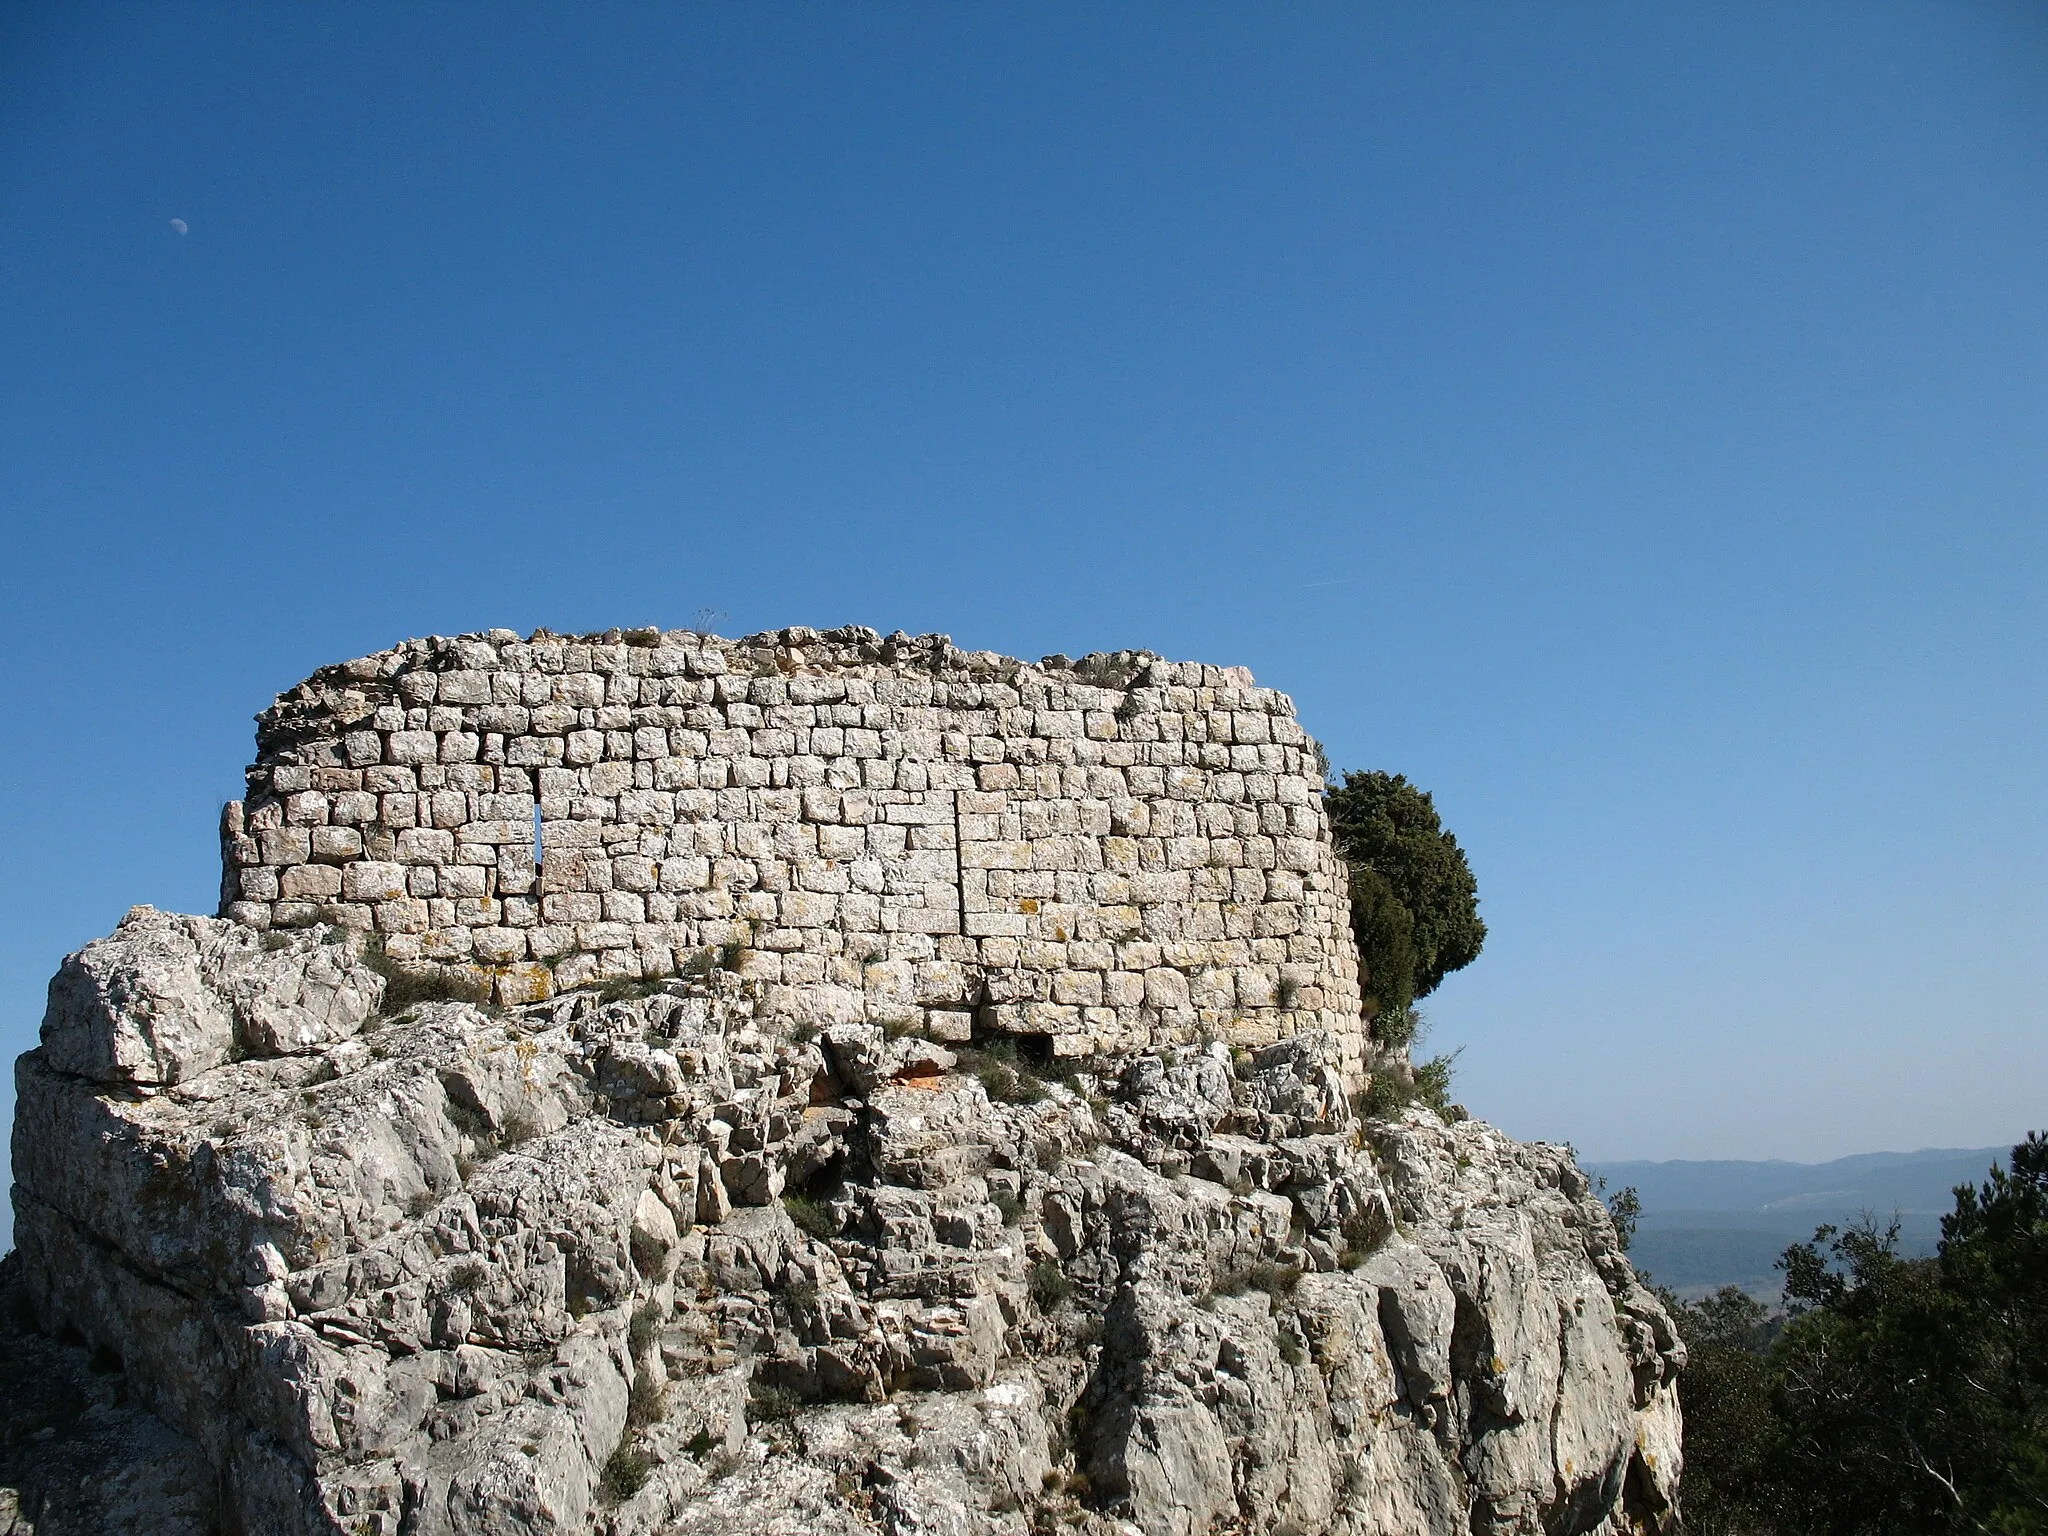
286 845
335 845
257 883
310 882
464 687
407 915
412 748
460 747
445 940
1166 988
355 807
940 983
307 808
808 909
499 946
997 925
422 845
949 1026
372 880
996 855
1079 987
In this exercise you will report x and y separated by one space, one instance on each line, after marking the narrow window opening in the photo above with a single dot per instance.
536 839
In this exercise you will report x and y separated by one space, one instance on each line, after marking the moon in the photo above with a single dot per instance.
180 226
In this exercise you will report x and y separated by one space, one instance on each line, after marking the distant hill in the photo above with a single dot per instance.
1709 1224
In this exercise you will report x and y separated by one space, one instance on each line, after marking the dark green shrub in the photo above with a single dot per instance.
622 989
1010 1205
1395 1028
1626 1207
1387 1094
1414 902
467 1276
799 1295
1384 930
1274 1279
772 1405
1730 1434
811 1216
625 1474
640 1333
521 1125
1433 1080
1900 1394
1049 1285
1363 1237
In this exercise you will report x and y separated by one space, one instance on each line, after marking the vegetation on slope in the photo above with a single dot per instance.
1899 1395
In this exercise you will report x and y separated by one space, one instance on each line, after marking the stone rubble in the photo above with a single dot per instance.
315 1245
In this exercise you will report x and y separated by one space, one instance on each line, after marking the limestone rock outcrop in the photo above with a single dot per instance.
314 1239
635 1263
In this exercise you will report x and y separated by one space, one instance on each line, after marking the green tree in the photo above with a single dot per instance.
1901 1395
1861 1386
1414 903
1994 1259
1626 1207
1731 1434
1915 1391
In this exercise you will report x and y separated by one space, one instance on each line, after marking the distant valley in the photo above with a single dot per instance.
1709 1224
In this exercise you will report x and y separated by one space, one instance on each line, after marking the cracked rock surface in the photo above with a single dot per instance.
649 1260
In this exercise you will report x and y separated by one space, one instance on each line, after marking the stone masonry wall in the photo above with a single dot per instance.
1108 853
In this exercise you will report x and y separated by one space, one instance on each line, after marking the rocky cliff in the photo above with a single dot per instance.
308 1244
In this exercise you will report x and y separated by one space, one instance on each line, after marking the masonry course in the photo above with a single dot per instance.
1103 854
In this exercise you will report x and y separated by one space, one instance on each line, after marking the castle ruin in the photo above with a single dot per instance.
1098 855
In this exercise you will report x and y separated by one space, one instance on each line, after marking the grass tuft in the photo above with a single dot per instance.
1004 1078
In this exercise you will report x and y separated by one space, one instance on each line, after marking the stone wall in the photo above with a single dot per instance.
1108 853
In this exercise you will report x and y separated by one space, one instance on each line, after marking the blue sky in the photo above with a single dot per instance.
1626 420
